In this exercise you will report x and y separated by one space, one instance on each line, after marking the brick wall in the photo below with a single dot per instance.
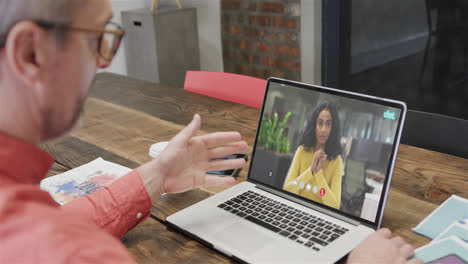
261 38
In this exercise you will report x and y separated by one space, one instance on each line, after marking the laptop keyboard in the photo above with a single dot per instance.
306 229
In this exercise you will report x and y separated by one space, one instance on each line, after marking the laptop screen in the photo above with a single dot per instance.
325 146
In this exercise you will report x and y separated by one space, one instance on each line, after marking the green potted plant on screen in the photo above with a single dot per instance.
272 157
271 135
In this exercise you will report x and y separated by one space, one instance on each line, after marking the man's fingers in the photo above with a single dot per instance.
384 232
219 152
226 164
220 138
190 130
415 261
398 241
211 180
407 251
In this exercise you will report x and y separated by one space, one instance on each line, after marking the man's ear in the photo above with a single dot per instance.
28 50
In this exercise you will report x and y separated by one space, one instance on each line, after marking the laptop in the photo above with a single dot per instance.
292 208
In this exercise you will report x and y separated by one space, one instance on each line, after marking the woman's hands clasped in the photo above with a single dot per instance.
317 162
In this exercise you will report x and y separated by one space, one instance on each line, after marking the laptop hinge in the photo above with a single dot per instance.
314 207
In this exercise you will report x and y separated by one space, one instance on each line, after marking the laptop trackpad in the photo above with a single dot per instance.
242 237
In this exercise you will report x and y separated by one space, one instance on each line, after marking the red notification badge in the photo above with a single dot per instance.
322 192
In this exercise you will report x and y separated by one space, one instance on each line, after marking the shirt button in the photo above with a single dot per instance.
139 215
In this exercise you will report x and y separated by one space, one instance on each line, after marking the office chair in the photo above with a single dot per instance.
231 87
436 132
354 187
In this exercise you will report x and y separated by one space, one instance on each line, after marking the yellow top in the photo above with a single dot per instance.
329 178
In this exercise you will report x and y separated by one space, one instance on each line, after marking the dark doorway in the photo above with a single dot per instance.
414 51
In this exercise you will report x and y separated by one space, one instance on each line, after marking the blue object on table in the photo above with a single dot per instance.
449 250
458 229
453 209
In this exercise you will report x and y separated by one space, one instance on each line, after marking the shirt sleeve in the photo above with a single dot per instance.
116 208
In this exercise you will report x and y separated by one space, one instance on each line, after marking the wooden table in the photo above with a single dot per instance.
123 117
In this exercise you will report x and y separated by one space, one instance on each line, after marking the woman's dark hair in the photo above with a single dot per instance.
309 139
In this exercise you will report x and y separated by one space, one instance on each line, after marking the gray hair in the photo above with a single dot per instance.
53 11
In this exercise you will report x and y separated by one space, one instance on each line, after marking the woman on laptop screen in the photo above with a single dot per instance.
317 167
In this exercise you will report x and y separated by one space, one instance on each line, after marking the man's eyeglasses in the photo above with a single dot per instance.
109 40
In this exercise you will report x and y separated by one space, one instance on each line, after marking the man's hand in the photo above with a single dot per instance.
184 162
381 248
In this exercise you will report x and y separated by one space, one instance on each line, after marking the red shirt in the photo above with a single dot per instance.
35 229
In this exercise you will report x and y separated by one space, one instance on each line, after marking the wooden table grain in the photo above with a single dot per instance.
124 116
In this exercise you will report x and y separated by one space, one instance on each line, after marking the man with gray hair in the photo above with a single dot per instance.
49 53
